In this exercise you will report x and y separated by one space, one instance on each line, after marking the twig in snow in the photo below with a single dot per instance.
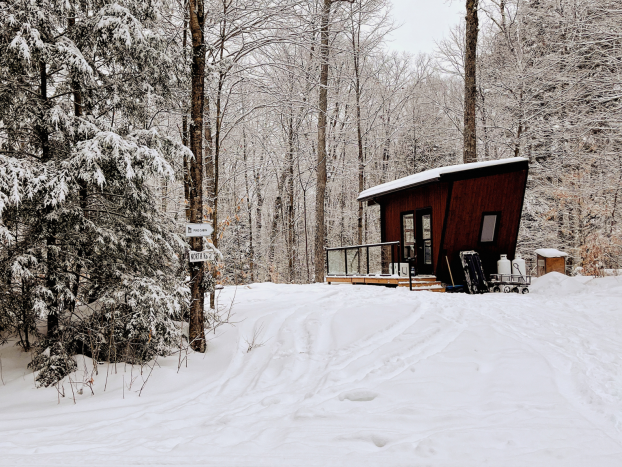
254 343
72 391
152 367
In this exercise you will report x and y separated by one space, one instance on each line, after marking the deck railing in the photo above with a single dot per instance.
374 258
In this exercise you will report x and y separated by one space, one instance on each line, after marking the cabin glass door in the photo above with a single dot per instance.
424 241
408 236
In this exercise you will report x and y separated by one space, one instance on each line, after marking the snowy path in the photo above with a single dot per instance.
355 376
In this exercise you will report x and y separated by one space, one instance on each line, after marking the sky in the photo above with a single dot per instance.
423 23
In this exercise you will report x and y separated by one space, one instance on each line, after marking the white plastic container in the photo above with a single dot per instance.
518 266
504 266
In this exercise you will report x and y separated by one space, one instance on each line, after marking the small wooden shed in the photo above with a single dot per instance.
437 213
550 260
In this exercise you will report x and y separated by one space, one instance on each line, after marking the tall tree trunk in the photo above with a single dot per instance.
470 88
218 125
184 134
186 168
197 317
320 189
289 216
484 124
278 208
51 256
259 207
359 140
83 191
251 246
210 191
519 130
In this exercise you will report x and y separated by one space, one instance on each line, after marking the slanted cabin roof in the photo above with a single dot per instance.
435 175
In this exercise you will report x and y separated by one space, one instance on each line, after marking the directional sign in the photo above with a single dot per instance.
200 256
199 230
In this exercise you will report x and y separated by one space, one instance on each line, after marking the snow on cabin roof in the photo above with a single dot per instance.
431 176
550 253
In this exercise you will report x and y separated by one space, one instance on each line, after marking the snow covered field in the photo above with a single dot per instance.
354 376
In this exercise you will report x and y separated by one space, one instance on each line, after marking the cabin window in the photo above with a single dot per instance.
426 236
490 224
408 235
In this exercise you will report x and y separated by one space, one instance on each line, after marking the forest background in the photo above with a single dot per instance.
303 107
549 85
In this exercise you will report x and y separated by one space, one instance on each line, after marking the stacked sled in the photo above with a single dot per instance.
511 275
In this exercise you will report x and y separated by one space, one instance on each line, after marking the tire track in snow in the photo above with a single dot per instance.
591 384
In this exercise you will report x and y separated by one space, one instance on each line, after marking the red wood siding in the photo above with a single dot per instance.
469 200
433 195
459 229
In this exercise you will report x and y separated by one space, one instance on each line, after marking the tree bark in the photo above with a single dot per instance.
197 317
251 248
470 88
289 217
259 207
320 190
210 189
184 136
359 140
83 191
278 208
185 142
51 256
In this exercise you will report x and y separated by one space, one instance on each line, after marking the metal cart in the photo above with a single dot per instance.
507 283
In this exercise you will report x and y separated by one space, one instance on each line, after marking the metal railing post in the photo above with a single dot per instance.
392 262
327 263
358 248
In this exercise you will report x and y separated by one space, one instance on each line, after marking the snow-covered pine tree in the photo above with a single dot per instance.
80 82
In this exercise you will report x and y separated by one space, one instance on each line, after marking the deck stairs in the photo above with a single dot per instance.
420 283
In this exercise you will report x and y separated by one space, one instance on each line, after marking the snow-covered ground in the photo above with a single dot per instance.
353 376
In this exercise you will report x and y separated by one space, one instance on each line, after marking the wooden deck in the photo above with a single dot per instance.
420 283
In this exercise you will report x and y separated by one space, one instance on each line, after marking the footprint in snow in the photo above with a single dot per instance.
272 400
358 395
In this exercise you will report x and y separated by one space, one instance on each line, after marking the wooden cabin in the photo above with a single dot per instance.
437 213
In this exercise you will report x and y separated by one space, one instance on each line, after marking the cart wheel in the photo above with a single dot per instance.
525 290
496 289
507 289
515 289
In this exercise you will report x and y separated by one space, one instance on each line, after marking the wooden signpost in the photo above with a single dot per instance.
200 256
199 230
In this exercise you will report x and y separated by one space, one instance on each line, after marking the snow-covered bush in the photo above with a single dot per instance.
52 362
134 324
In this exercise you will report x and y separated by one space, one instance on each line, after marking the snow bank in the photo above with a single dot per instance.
554 283
352 376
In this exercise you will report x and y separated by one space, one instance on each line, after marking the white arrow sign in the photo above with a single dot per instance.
200 256
198 230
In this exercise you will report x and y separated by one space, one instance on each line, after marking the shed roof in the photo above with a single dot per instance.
432 175
550 253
